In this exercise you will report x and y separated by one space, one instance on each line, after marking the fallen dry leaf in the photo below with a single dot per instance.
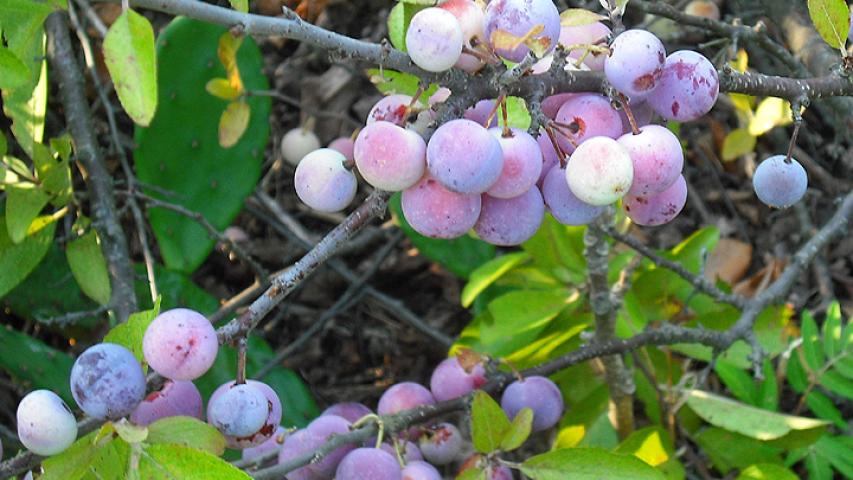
755 284
729 261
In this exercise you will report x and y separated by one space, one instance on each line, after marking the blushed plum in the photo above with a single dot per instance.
480 113
345 145
590 34
393 108
436 212
434 39
351 411
779 183
107 381
403 396
451 380
369 464
237 410
518 17
550 157
538 394
551 104
323 182
176 398
472 20
522 163
297 143
441 443
464 157
324 427
272 444
180 344
658 208
408 450
590 115
46 425
270 424
688 88
389 157
600 171
510 221
420 470
295 445
636 63
657 157
563 204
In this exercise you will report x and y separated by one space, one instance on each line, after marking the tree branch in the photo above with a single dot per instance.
79 121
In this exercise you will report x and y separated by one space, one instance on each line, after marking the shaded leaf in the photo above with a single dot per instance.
24 201
728 450
766 471
488 273
89 267
18 260
131 60
738 142
34 364
812 345
13 72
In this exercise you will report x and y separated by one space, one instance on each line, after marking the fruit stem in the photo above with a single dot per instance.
793 141
241 361
565 131
634 129
493 111
560 153
506 132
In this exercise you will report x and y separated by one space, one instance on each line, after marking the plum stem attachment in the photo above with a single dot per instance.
380 426
793 141
630 114
562 156
566 131
494 111
506 130
483 56
308 124
398 451
242 347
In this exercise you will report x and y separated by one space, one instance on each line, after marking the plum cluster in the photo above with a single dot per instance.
108 383
592 150
419 452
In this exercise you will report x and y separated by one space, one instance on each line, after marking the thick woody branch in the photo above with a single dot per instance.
79 120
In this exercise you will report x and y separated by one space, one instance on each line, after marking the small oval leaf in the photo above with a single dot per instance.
831 18
233 123
131 60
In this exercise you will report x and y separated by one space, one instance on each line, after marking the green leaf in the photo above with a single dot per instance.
766 471
132 62
831 18
18 260
24 201
728 450
240 5
130 333
771 112
168 461
461 255
399 19
812 347
187 431
587 464
472 474
838 453
520 315
651 445
34 364
831 331
129 432
517 114
797 376
54 173
768 390
737 143
518 430
489 424
825 408
13 72
737 381
488 273
233 123
89 267
390 82
747 420
75 462
180 153
576 17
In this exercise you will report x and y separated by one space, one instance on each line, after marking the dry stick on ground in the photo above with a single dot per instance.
100 185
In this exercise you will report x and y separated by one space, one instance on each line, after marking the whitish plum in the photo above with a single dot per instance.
180 344
600 171
46 425
779 183
323 181
563 204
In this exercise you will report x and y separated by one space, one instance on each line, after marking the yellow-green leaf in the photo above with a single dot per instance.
187 431
831 18
575 17
518 430
240 5
738 142
489 423
169 461
221 88
13 72
488 273
766 471
131 60
650 444
771 112
741 61
747 420
129 334
129 432
227 52
587 464
233 123
89 267
24 201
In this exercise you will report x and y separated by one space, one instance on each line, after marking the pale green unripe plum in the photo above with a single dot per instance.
600 171
297 143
